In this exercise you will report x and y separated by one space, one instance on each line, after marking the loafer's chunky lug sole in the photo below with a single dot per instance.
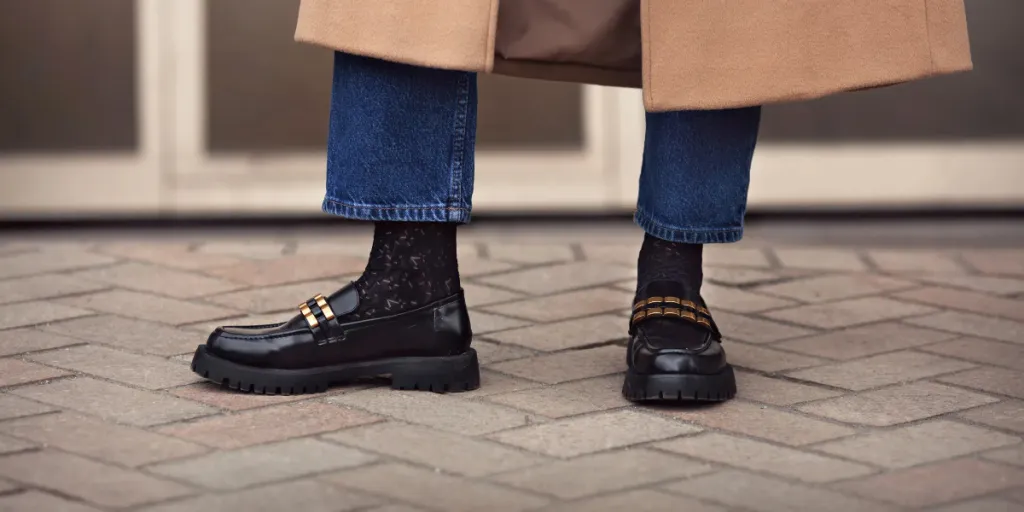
680 387
439 374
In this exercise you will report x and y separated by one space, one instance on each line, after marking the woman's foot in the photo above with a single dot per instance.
405 317
675 349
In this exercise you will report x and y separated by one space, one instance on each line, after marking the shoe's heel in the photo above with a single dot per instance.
439 374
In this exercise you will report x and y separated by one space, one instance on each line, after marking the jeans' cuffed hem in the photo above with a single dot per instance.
398 214
686 235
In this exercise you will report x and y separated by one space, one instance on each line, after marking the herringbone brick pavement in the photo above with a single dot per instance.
871 378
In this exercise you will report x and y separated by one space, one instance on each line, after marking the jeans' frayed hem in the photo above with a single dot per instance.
688 235
399 214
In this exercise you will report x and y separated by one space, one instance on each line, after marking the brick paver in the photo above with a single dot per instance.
763 494
938 483
453 453
94 482
246 467
768 458
603 472
869 380
19 341
434 490
579 435
917 444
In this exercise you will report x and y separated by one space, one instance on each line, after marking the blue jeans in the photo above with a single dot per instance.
401 143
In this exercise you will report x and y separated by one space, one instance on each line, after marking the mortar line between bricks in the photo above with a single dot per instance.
806 485
956 416
518 266
137 469
15 490
56 492
544 295
223 412
57 449
18 355
983 392
640 410
611 311
975 454
877 293
894 385
61 296
548 419
869 263
514 376
858 429
393 460
974 366
960 334
248 287
829 329
875 470
8 388
958 309
481 438
534 323
64 271
48 322
881 295
922 349
774 263
316 475
828 360
577 252
162 391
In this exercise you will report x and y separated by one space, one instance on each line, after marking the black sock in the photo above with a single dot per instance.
661 260
411 264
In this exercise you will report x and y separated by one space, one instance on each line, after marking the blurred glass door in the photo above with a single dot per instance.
251 111
80 124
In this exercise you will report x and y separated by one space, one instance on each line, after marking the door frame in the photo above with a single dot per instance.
902 175
96 183
294 182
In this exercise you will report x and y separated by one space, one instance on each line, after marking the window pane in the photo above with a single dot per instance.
68 76
267 93
517 113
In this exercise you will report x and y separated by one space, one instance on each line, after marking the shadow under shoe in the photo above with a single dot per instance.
427 348
675 349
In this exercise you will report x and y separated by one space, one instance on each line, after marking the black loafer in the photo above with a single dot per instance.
423 349
663 367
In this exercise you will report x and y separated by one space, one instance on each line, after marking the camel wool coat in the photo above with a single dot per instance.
686 54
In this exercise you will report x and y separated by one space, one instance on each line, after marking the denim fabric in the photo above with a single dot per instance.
400 143
695 174
402 138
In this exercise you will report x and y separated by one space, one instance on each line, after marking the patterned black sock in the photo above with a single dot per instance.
661 260
411 264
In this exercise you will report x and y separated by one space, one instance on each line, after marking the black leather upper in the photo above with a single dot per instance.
684 343
438 329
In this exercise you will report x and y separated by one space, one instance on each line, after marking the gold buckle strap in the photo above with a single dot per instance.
324 306
672 300
310 317
677 312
